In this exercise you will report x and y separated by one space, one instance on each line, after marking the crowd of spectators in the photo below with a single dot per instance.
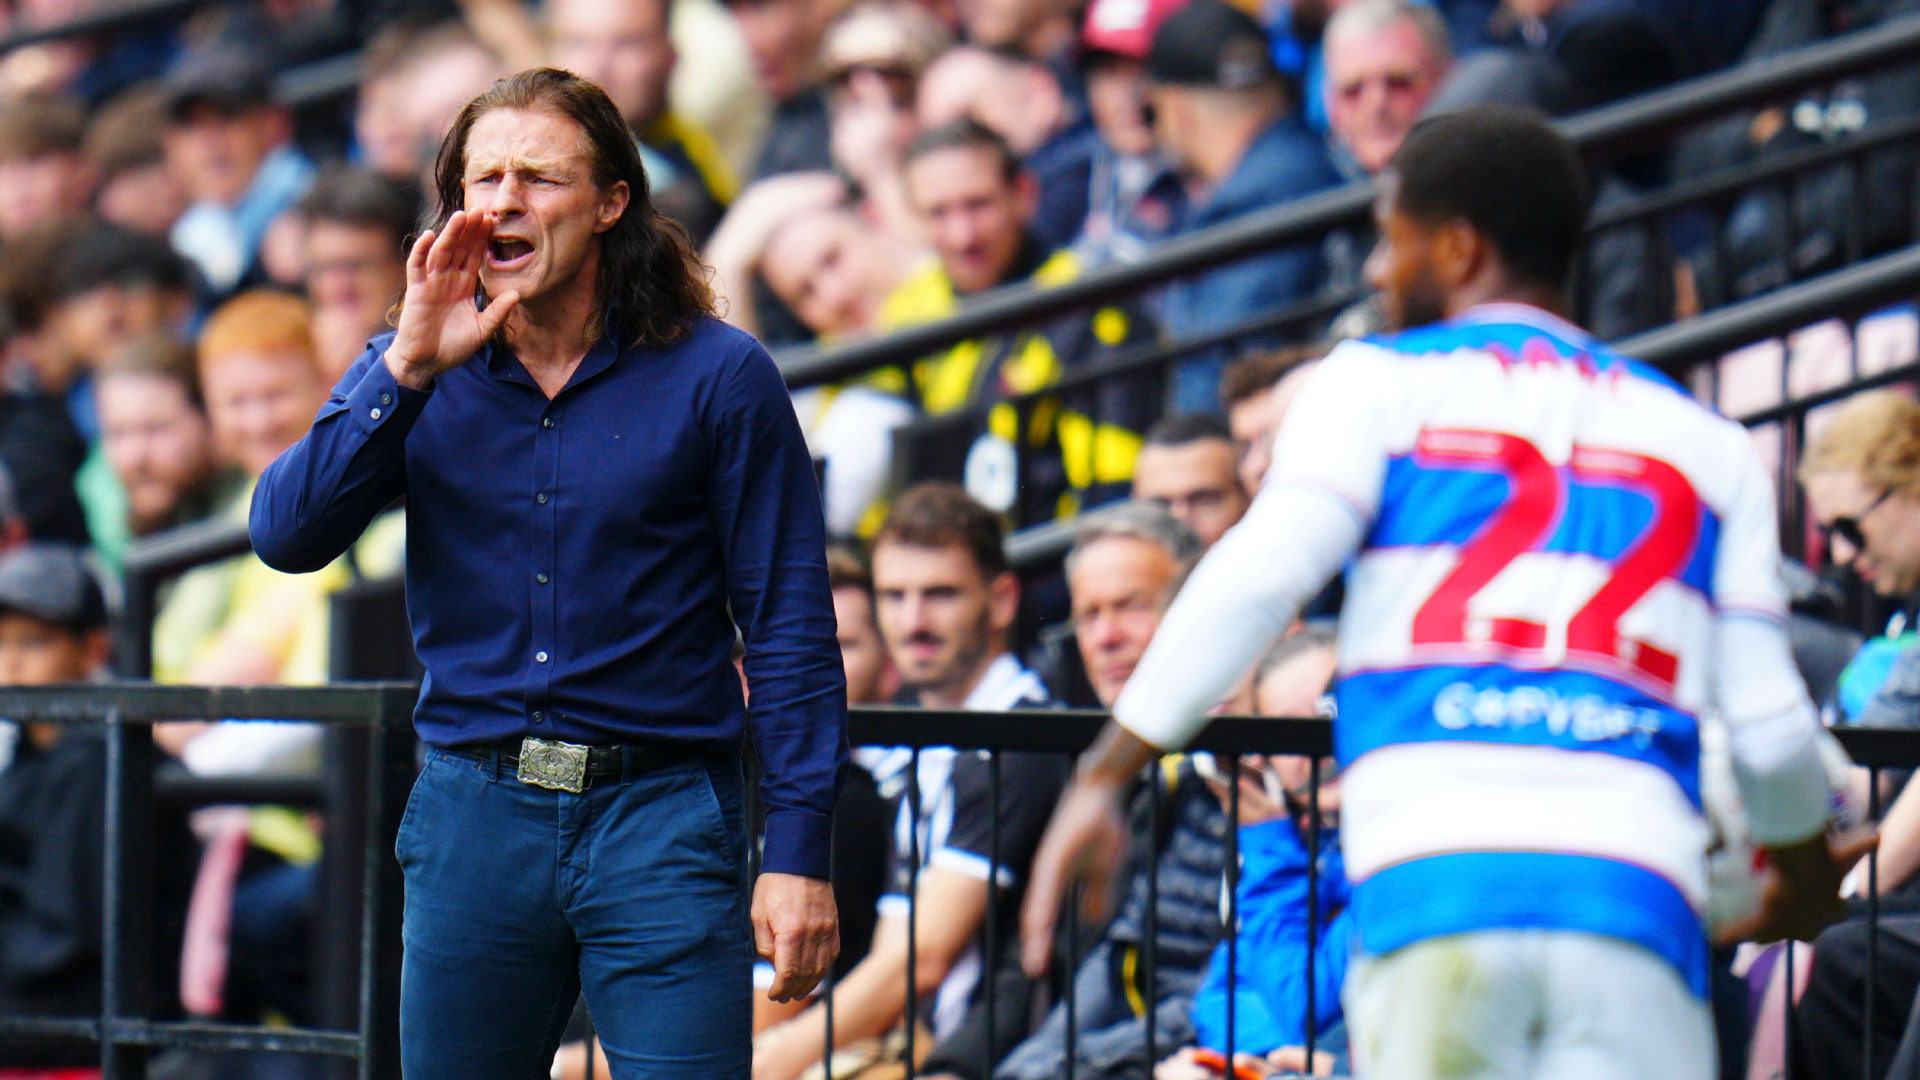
193 258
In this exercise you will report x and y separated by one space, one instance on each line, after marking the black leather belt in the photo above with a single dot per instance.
567 766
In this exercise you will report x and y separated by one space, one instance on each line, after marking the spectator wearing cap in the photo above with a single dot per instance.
232 148
355 224
783 40
626 47
44 175
1135 197
976 203
874 57
1026 103
1225 115
52 820
155 438
137 190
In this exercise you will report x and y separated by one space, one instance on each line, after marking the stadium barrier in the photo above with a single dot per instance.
1606 134
126 1032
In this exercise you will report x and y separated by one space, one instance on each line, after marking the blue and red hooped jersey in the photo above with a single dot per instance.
1528 634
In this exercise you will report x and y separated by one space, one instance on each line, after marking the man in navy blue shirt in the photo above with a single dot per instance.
601 481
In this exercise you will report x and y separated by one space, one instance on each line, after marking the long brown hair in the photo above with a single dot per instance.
650 276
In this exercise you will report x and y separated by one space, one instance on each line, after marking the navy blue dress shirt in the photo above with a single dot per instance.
570 562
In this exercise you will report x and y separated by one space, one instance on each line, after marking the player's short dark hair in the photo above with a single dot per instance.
965 133
356 195
1510 175
937 514
1255 373
1187 428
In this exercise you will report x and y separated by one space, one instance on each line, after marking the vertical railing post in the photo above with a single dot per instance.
913 906
1233 903
1150 948
389 775
126 947
1313 899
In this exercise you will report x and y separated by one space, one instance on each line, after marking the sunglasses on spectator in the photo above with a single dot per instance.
1394 82
1848 528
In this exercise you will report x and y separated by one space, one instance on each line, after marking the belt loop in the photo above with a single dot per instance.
626 763
493 763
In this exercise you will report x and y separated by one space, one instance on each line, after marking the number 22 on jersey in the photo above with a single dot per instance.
1537 498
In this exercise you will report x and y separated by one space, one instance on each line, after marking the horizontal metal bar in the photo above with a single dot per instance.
1881 747
1069 731
174 786
1738 180
1041 544
1303 220
137 702
186 547
186 1034
1855 290
1603 134
1608 132
50 1028
201 1035
1808 402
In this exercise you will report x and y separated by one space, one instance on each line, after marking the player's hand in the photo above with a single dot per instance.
1801 896
1083 845
796 928
440 327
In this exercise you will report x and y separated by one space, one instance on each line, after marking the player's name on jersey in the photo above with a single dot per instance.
1583 717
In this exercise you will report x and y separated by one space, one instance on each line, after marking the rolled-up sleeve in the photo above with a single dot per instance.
314 501
766 507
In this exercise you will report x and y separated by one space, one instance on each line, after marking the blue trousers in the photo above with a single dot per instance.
520 898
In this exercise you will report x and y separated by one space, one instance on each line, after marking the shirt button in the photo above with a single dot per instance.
375 413
386 399
547 422
540 498
540 657
541 578
538 716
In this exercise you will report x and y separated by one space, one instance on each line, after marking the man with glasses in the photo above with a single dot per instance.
1187 466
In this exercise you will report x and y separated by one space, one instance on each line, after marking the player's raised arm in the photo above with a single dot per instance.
1303 525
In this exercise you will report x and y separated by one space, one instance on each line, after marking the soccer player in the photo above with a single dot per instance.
1558 560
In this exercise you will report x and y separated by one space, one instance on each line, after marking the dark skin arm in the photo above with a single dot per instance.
1084 841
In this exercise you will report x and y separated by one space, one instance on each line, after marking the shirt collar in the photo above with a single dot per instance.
1512 311
503 364
1004 685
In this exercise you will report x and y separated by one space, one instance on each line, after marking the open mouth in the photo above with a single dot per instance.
508 253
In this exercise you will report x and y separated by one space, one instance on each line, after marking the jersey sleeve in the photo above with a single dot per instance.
1771 723
1311 514
1334 437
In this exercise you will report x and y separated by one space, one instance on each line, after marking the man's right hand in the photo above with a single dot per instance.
1083 844
1801 896
440 327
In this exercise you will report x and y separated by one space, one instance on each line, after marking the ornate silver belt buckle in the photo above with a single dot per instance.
557 765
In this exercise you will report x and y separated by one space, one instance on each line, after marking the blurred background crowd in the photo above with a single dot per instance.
204 217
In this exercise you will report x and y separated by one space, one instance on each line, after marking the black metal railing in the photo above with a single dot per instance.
125 1032
1604 134
125 1029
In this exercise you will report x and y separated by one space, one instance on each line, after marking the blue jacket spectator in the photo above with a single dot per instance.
1223 113
1270 978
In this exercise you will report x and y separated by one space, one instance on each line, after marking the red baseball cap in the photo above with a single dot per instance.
1125 27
